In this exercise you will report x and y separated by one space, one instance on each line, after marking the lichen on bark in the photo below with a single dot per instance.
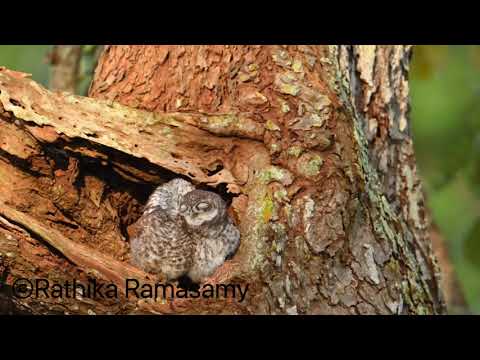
310 143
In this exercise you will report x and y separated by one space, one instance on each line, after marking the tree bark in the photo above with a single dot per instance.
310 145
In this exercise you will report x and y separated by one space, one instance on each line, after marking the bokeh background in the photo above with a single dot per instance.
445 113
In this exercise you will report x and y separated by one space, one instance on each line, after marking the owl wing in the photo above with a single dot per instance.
212 252
162 245
231 236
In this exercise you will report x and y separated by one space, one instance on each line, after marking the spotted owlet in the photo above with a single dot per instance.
184 231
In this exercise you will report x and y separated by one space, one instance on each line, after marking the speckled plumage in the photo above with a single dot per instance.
184 231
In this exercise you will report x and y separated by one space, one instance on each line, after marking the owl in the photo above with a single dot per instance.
184 231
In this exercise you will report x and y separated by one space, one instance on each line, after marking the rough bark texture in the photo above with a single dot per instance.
310 143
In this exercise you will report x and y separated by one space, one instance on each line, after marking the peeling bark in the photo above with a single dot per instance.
310 143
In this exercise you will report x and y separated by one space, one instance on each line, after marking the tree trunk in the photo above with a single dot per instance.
310 145
453 293
65 66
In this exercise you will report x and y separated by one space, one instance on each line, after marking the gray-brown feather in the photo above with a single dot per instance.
162 246
184 231
211 251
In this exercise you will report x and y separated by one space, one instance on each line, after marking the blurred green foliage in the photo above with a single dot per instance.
27 58
87 67
445 113
445 91
34 59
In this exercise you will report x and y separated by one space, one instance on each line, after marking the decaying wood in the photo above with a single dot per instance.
310 144
91 261
48 126
171 140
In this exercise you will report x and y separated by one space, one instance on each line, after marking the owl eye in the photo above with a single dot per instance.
202 206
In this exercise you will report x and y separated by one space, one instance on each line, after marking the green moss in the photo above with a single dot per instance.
159 119
221 121
270 125
167 132
285 108
268 208
243 77
406 294
274 147
295 151
313 166
290 89
415 293
392 266
316 120
297 66
281 58
280 195
274 173
322 102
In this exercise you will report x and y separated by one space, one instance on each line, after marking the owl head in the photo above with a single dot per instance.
202 208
